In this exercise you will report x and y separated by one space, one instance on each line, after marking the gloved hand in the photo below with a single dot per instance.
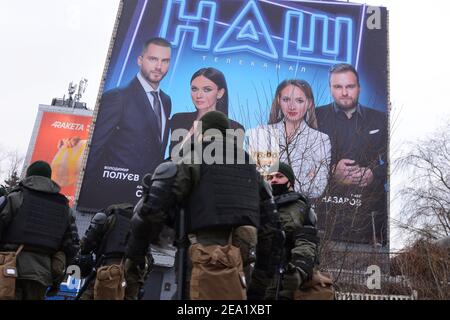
292 278
304 269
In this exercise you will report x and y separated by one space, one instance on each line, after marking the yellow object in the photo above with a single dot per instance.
66 164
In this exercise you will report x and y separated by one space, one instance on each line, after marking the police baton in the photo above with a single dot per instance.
280 269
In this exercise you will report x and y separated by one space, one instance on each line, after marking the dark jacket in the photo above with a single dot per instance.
370 144
32 265
352 206
98 235
125 136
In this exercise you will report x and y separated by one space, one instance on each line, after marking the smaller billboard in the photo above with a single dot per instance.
60 137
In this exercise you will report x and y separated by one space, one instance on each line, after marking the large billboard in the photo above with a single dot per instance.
60 138
339 157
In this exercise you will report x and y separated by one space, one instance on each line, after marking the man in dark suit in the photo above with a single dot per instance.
130 133
356 201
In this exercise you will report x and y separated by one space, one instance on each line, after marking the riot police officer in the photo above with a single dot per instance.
107 238
218 187
37 216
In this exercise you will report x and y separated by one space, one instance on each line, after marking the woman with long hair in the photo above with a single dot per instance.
209 92
292 137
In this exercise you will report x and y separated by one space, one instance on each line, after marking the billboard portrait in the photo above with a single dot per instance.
257 55
60 139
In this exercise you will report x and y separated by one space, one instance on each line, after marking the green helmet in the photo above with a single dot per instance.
285 169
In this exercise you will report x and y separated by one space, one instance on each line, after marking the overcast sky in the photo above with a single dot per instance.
45 44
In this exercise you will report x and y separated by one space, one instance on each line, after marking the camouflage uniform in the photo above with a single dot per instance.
37 270
298 255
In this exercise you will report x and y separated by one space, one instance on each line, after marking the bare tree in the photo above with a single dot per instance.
426 195
425 214
10 165
426 266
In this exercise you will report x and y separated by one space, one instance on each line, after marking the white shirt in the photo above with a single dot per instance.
309 154
148 89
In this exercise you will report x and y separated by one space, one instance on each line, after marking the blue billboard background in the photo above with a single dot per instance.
256 45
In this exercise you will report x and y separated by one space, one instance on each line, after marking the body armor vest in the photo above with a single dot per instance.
309 218
289 198
285 199
40 222
226 196
115 242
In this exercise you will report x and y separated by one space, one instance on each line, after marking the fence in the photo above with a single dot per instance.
368 296
362 275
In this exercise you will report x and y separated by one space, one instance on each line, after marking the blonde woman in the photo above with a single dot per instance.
292 137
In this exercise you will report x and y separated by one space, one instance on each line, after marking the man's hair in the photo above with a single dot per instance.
157 41
344 67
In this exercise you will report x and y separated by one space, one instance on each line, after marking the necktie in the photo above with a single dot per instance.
157 108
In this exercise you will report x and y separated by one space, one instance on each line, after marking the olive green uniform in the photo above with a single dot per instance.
292 218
